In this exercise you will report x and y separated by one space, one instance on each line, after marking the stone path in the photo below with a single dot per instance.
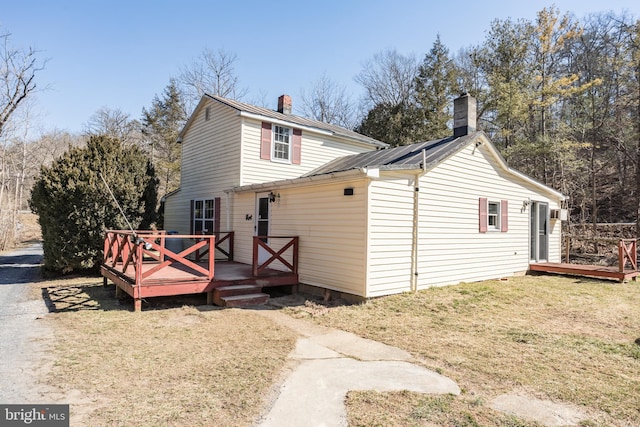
330 363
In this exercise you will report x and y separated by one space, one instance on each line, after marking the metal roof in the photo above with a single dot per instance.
302 121
403 157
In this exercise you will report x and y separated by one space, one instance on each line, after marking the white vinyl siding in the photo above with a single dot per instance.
451 249
210 164
390 236
316 150
221 150
332 229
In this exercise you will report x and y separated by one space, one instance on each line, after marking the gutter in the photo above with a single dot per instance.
360 172
416 224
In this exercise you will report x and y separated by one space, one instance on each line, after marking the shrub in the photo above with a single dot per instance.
74 205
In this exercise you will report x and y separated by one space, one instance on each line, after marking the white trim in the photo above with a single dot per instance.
274 142
497 226
514 172
299 181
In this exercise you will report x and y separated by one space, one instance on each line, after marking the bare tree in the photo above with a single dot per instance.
212 73
18 68
114 123
328 102
50 146
388 78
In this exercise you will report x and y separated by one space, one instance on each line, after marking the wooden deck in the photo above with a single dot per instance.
596 271
627 264
143 265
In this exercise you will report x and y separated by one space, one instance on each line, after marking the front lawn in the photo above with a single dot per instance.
571 340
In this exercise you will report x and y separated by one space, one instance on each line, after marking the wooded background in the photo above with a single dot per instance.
559 97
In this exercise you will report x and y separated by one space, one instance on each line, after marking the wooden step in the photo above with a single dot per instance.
233 290
243 300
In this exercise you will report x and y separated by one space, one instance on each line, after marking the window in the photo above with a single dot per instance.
204 218
494 216
281 143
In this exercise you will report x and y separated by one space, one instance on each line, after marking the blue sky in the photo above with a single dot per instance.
120 54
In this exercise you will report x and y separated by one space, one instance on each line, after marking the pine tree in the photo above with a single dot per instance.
435 90
162 124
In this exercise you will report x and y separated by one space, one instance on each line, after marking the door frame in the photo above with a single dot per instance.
263 255
539 231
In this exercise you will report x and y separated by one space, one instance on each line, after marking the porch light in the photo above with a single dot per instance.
273 197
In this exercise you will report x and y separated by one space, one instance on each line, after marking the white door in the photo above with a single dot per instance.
263 216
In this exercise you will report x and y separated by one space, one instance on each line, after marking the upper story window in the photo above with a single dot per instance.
281 143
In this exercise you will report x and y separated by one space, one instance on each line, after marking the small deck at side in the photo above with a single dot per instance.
143 265
597 271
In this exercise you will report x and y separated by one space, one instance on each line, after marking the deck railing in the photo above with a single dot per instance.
224 242
288 248
124 249
627 249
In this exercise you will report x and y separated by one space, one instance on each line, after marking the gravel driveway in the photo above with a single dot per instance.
25 339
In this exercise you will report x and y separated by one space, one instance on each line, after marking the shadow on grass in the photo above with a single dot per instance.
81 297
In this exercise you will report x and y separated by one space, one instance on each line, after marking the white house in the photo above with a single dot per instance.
371 220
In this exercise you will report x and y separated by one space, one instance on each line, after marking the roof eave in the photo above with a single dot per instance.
260 117
351 173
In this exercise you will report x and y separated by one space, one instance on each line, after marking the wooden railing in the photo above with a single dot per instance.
627 252
289 248
220 239
627 249
124 249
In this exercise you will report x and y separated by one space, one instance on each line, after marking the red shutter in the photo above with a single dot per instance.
191 227
216 217
504 215
483 214
297 147
265 141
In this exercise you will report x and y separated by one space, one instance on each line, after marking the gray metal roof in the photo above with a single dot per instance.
403 157
302 121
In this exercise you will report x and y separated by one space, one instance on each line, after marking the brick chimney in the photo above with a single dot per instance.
284 104
464 115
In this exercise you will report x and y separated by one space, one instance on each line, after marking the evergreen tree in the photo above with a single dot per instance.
504 59
435 90
74 205
393 124
162 124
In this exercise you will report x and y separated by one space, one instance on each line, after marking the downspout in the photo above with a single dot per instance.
416 223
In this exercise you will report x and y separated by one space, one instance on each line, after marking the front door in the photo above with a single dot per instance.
539 227
263 215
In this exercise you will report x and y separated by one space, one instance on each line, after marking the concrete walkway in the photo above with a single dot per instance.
332 362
